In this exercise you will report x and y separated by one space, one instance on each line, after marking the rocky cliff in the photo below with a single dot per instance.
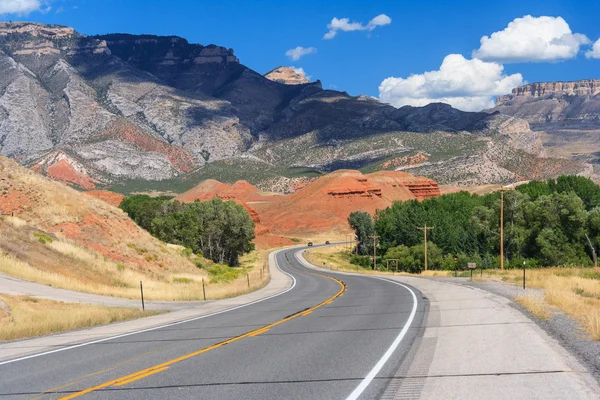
573 103
286 75
566 115
119 108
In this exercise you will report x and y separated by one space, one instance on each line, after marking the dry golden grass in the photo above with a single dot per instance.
330 257
536 306
29 317
575 291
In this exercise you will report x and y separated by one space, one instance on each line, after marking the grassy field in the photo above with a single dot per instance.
23 316
575 291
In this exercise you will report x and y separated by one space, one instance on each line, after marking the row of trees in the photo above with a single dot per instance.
545 223
218 230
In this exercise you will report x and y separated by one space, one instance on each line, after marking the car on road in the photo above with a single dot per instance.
309 244
327 242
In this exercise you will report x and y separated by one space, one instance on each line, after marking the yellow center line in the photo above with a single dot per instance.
135 378
110 368
163 366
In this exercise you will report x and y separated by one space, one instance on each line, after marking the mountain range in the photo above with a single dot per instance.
138 112
567 115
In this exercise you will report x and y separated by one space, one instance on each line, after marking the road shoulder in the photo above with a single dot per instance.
184 311
476 345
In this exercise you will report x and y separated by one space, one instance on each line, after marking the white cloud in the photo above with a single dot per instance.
301 71
594 52
299 52
468 85
345 25
20 7
531 39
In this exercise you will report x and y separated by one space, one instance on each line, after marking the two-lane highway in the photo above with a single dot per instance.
330 336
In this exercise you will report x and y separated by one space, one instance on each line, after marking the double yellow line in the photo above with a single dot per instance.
164 366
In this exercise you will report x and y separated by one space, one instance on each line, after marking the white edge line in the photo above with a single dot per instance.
160 326
386 356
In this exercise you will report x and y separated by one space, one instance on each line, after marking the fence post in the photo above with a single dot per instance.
203 289
248 277
142 292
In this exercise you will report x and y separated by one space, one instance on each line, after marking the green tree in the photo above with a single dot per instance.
362 224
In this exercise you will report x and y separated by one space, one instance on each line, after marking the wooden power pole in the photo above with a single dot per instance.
424 229
374 237
502 227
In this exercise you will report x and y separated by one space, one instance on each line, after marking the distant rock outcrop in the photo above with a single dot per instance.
549 104
287 75
566 115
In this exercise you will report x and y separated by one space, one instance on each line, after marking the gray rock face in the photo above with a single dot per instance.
565 114
550 105
120 107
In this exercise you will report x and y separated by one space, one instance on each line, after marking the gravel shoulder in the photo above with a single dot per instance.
562 327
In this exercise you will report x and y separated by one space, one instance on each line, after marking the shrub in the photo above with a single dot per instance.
42 237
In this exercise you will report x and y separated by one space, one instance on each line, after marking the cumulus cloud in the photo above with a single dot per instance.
468 85
19 7
299 52
531 39
301 71
594 52
344 24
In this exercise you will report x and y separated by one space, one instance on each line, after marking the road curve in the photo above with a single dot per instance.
330 337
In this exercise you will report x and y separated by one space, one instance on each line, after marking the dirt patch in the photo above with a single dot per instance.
271 241
114 199
13 202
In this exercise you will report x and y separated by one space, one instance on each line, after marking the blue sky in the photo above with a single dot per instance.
419 37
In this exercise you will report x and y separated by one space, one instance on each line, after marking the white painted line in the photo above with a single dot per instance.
371 375
161 326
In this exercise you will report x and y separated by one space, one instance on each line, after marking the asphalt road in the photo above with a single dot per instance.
329 337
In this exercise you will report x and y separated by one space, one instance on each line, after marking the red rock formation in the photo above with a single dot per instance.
321 206
64 172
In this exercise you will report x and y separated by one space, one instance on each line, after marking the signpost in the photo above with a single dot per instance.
471 267
395 260
524 262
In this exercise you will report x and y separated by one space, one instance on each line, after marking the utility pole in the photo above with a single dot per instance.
424 229
593 251
502 190
374 237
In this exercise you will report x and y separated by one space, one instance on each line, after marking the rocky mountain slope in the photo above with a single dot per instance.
567 115
127 110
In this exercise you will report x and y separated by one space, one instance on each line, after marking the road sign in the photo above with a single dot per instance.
471 265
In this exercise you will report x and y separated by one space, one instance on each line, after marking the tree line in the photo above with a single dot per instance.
546 223
218 230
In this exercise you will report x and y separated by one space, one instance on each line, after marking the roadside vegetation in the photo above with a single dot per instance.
545 224
23 316
219 230
551 227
